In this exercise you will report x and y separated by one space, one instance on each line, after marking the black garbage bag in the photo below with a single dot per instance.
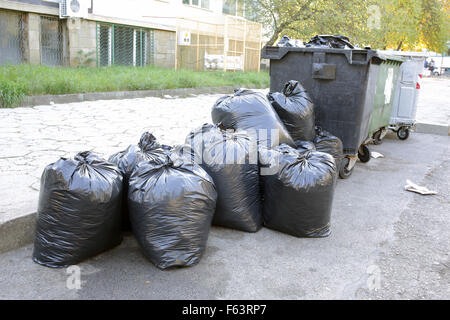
328 143
251 111
232 162
295 109
303 146
285 41
298 196
79 210
171 209
330 41
148 149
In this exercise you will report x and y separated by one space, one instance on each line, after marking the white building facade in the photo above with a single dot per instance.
192 34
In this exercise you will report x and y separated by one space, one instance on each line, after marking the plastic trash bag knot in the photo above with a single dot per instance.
148 142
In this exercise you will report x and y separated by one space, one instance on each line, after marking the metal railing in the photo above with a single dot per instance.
228 43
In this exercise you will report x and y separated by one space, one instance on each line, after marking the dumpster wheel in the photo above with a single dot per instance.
403 133
346 167
377 137
364 153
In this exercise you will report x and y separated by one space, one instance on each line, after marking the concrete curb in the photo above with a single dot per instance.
17 232
432 128
92 96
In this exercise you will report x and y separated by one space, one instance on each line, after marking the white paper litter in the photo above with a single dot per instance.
376 155
410 186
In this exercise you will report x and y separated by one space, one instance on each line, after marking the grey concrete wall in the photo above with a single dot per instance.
29 35
81 36
165 49
39 2
33 32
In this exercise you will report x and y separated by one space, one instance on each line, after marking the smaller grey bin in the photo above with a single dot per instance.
406 95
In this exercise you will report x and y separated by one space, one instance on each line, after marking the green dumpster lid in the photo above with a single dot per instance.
386 56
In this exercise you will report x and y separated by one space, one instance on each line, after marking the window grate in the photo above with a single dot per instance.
11 38
124 45
51 41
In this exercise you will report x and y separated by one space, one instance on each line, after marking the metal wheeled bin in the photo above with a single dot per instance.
341 83
387 83
404 106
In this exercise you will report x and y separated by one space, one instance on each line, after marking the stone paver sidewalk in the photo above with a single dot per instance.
31 138
434 101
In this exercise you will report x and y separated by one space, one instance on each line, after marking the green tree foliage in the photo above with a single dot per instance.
280 16
415 24
434 23
399 24
396 24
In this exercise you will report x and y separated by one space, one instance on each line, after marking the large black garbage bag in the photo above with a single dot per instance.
171 208
295 109
231 160
330 41
298 196
251 111
285 41
79 210
148 149
328 143
303 146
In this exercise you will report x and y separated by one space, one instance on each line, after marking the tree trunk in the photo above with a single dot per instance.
274 37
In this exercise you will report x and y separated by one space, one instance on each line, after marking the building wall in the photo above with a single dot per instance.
163 12
33 35
165 46
19 36
12 40
81 37
38 2
164 17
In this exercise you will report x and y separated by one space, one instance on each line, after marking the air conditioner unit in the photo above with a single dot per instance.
184 38
73 8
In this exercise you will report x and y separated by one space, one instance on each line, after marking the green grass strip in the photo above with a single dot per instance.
19 81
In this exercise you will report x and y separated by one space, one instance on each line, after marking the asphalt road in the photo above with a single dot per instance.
385 243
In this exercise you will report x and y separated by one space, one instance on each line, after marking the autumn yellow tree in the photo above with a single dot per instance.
416 24
385 24
434 24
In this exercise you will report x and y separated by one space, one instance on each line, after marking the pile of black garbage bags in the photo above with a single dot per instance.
318 41
262 162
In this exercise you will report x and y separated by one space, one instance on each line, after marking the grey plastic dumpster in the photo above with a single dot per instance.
404 105
341 83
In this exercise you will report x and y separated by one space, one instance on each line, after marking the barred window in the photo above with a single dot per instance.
11 38
51 41
234 7
197 3
104 45
123 45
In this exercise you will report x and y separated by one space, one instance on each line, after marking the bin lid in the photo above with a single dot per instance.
387 56
405 54
277 53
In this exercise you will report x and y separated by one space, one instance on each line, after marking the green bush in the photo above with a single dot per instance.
18 81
